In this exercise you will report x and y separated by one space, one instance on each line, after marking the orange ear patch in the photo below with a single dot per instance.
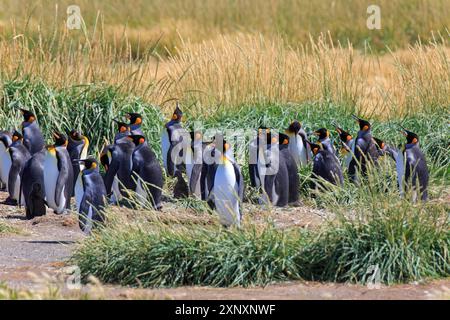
141 140
94 165
274 140
15 138
138 121
414 140
285 141
349 138
365 128
31 119
122 129
226 146
174 117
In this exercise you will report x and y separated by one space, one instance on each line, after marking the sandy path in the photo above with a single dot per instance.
45 243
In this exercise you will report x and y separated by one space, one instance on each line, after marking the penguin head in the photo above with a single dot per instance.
283 139
177 114
322 133
221 145
135 118
122 127
17 136
90 163
364 125
60 139
411 137
379 143
315 147
28 116
343 135
75 135
136 139
294 128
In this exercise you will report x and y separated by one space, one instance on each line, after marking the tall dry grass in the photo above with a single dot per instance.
245 69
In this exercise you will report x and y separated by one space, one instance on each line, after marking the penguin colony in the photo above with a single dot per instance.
38 176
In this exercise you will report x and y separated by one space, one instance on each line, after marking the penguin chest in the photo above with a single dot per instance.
5 164
298 151
225 194
51 174
165 145
79 191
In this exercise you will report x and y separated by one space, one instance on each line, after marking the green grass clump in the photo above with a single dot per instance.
167 258
6 228
89 108
404 242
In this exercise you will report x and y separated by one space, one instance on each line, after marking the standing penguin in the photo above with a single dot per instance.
365 150
19 156
227 188
275 181
146 169
58 174
324 138
77 147
325 165
116 159
5 157
297 143
412 167
33 185
135 123
256 147
171 136
32 135
294 178
90 194
348 146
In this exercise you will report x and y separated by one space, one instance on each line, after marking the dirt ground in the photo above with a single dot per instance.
38 253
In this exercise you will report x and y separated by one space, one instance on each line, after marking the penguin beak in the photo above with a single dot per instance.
404 133
356 118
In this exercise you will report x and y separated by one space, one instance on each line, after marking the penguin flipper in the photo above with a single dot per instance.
240 182
61 189
111 173
12 178
195 176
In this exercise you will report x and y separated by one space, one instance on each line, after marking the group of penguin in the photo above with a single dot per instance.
37 175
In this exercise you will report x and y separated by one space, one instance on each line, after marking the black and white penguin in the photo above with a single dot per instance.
173 135
77 147
116 159
58 174
90 194
256 148
33 185
294 178
227 188
411 165
297 143
325 165
135 123
5 157
32 135
146 170
274 173
348 146
195 164
19 156
324 138
365 150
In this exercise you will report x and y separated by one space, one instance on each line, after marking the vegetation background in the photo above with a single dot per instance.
237 64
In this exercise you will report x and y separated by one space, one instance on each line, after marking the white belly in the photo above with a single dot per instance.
51 174
349 156
17 192
298 151
5 165
79 191
165 145
225 194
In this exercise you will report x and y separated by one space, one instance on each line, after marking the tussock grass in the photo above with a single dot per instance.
6 228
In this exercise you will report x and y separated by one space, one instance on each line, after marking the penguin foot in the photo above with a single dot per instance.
10 201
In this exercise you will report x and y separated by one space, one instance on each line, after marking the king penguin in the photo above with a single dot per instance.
256 146
324 138
412 169
135 123
90 194
348 146
146 170
227 188
33 185
325 165
5 157
365 150
116 159
32 135
297 143
274 173
77 147
19 156
172 135
58 174
294 178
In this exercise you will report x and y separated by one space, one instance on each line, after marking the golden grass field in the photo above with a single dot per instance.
231 53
